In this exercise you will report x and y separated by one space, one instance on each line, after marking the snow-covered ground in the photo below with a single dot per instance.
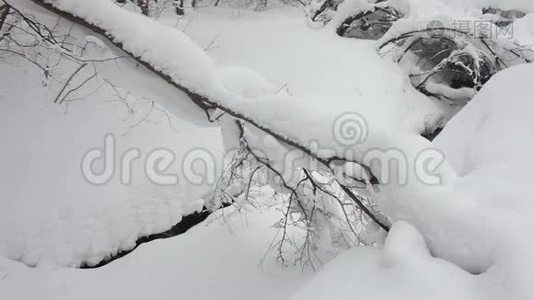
480 222
52 219
352 80
51 215
218 260
63 221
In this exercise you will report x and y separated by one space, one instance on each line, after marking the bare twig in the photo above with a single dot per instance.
77 87
68 82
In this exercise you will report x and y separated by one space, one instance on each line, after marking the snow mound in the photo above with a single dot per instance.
219 259
478 221
49 214
403 269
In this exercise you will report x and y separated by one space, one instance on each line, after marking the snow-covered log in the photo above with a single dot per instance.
173 57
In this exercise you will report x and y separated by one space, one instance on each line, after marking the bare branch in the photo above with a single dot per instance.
68 81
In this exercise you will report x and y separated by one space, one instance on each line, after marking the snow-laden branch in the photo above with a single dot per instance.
173 57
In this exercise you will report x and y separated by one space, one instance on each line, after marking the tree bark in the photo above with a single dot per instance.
4 11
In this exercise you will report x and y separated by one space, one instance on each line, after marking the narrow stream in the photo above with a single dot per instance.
183 226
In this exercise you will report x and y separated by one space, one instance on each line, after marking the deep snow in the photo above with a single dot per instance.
49 214
476 221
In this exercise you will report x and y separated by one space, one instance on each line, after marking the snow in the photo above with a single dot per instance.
163 46
98 42
491 149
403 269
218 260
245 82
524 29
465 5
401 108
463 94
463 15
321 86
477 222
49 214
347 9
463 238
490 132
524 5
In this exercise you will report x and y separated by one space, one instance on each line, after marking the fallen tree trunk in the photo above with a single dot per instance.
208 105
